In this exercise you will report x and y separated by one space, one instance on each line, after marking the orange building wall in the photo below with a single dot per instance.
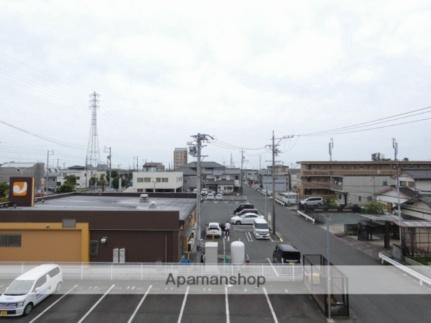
47 243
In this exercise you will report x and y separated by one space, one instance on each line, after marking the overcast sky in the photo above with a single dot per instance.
232 69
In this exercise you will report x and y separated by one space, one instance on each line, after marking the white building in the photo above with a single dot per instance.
156 182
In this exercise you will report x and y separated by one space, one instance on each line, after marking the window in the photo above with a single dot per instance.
147 179
40 282
140 180
54 272
158 179
360 198
165 179
10 240
94 248
140 190
385 183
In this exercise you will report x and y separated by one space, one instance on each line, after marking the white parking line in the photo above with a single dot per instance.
273 268
139 305
270 306
95 304
53 304
248 236
226 299
180 317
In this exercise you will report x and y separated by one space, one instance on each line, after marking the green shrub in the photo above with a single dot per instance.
374 207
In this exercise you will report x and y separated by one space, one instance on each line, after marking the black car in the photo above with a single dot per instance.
286 253
242 207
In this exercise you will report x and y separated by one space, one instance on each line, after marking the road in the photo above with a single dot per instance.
310 238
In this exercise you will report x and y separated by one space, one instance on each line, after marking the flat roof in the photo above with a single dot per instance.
368 162
114 203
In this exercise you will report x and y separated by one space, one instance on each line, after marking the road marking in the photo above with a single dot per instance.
247 236
270 238
53 304
183 305
273 268
270 306
251 237
95 304
139 305
226 299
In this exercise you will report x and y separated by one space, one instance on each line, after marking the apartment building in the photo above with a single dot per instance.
180 158
352 182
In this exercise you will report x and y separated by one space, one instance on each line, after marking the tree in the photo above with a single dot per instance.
69 184
375 207
4 191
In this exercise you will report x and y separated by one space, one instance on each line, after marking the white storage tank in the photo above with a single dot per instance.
237 251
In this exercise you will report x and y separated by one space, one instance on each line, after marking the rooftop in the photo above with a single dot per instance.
366 162
115 203
419 174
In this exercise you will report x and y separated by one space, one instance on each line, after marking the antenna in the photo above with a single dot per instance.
93 153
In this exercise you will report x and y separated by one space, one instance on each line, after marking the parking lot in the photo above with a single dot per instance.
111 307
134 301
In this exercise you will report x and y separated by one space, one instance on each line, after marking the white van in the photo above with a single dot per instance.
288 198
261 229
29 289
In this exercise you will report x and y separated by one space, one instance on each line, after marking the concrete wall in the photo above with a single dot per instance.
361 189
156 180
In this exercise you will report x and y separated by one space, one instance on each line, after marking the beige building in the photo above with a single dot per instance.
352 182
180 157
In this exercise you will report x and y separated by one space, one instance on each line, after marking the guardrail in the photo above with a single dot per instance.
306 216
413 273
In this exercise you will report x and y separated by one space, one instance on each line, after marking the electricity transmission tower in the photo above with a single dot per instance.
93 152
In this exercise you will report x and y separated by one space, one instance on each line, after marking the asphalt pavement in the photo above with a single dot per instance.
310 238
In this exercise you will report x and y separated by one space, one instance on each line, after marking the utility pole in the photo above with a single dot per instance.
49 152
395 146
196 151
241 171
331 148
275 151
109 158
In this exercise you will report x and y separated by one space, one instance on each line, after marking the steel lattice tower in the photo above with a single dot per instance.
93 153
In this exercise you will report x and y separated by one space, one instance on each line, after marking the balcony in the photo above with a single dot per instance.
349 172
316 185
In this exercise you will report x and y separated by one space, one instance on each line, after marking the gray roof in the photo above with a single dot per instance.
206 164
426 199
419 174
115 203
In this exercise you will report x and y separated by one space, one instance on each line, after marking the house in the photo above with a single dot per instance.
419 179
32 169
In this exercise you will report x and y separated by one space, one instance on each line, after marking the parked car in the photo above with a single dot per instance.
210 196
248 211
219 196
214 230
261 229
242 207
247 218
288 198
29 289
286 253
312 201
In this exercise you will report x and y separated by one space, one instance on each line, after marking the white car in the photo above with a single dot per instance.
213 230
29 289
312 201
247 218
219 196
210 196
261 229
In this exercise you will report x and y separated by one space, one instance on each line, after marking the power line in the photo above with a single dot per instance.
374 122
63 144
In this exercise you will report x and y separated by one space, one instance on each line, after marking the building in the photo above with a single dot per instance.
417 179
110 227
180 158
352 182
145 181
36 170
215 177
281 178
153 167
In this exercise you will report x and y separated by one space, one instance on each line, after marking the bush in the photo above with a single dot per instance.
375 207
331 202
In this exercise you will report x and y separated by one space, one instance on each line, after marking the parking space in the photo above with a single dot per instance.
257 251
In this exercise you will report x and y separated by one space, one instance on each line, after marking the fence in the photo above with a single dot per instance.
325 282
